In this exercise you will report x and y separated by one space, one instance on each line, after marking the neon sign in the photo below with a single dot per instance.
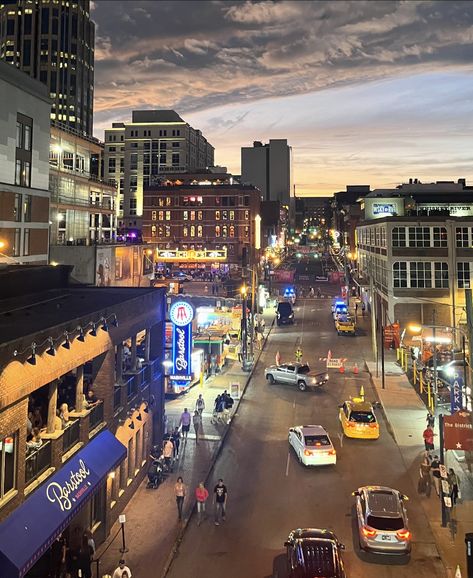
181 315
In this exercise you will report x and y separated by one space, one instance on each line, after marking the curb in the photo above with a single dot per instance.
182 531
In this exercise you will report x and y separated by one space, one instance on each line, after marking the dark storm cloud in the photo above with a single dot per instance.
196 55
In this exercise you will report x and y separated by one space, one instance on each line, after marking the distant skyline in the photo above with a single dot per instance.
365 92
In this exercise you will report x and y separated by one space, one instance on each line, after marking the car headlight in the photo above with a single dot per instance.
291 315
279 315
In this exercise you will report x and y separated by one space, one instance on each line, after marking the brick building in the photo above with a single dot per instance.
201 226
57 342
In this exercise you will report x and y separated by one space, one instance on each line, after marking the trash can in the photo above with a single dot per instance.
469 554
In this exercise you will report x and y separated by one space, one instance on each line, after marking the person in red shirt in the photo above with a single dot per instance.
428 436
201 495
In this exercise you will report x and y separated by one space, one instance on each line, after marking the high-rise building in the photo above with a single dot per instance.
153 144
53 42
24 168
269 168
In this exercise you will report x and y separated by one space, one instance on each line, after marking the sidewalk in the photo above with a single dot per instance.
406 416
152 528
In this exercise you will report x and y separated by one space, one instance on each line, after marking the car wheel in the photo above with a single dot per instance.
301 385
270 378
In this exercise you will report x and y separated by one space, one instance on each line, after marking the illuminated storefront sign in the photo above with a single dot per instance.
171 255
181 315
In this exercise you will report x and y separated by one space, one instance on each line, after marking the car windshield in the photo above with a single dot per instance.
316 441
304 369
388 524
362 416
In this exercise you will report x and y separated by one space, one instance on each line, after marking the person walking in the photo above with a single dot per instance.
201 495
176 440
454 484
220 501
180 492
221 409
425 481
428 436
200 404
122 571
435 469
278 358
197 421
430 419
185 423
228 402
168 452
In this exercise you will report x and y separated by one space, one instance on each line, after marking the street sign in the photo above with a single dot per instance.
445 487
443 471
456 395
235 390
334 363
458 431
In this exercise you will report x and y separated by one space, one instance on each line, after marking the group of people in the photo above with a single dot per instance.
201 493
429 470
73 556
222 405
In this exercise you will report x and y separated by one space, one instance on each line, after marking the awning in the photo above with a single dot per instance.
31 529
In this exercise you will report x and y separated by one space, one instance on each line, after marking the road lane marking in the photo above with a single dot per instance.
288 462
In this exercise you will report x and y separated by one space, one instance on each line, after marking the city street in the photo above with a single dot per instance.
270 493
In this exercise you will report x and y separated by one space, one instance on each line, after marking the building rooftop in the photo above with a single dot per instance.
39 308
155 116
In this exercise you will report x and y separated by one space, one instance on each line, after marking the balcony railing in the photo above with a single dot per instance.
71 435
38 462
131 387
117 397
96 416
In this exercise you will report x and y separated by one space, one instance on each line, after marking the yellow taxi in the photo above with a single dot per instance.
345 325
358 420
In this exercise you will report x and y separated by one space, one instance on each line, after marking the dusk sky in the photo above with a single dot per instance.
365 92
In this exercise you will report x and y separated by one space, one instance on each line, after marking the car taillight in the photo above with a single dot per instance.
307 453
373 425
332 452
403 534
368 532
351 424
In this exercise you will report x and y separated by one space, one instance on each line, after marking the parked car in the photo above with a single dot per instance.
298 374
382 520
312 445
284 313
314 552
180 276
358 419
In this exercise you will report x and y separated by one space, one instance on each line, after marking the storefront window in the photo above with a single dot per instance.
192 230
217 215
217 231
199 231
8 449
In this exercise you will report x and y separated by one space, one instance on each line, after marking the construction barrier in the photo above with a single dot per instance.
355 369
421 382
414 369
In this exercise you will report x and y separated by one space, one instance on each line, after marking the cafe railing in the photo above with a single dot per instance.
71 435
96 416
38 461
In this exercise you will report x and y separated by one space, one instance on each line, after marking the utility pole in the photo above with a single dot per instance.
374 339
435 357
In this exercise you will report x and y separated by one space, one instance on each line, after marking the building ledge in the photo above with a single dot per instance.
38 481
97 429
72 451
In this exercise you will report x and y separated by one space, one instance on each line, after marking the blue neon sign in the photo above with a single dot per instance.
181 315
456 402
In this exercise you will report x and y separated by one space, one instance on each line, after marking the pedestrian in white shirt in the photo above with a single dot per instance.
122 571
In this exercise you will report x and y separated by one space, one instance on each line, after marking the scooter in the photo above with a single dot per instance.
155 474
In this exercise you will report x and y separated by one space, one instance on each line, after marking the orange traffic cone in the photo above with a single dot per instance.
342 368
355 369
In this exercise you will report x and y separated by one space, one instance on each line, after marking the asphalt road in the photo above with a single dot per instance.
270 493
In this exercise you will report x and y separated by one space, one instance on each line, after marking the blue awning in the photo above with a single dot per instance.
31 529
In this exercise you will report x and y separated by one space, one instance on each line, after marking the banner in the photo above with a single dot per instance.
456 395
458 431
392 336
181 315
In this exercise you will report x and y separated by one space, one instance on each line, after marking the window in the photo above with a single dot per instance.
232 215
27 138
440 237
217 215
176 145
134 145
175 159
161 216
199 230
246 201
133 161
383 237
247 215
153 230
419 236
185 231
420 273
441 275
167 230
160 201
111 164
232 231
168 201
19 135
16 244
133 183
17 209
400 274
163 145
185 215
199 215
224 231
168 215
247 232
217 231
8 450
133 203
27 208
26 242
192 230
225 215
463 236
463 274
153 215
